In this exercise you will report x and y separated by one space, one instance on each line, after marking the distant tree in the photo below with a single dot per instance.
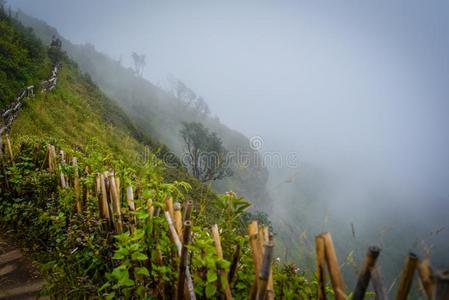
139 63
188 97
206 158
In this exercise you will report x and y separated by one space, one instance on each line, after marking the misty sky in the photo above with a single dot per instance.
351 85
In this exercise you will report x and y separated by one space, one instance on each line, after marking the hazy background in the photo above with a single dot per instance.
358 89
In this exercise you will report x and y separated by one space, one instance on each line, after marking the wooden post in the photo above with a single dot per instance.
442 285
188 210
150 209
426 277
253 236
264 273
183 260
9 149
115 205
407 276
76 185
333 267
104 207
219 250
320 262
174 235
234 264
178 218
169 206
378 286
365 274
53 157
117 186
61 173
131 206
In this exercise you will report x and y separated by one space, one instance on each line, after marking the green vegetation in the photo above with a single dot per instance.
23 59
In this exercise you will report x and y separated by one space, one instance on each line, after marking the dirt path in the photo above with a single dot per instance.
18 278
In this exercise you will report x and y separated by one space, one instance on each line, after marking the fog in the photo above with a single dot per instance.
357 89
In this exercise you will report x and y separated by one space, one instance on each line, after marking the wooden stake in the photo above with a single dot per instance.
104 199
407 277
174 235
117 186
426 277
178 218
61 173
131 206
365 274
169 207
234 264
264 273
333 267
115 205
188 210
76 184
150 208
9 149
184 259
378 286
320 262
219 250
442 285
253 242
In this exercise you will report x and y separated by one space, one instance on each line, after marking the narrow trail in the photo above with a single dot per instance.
19 279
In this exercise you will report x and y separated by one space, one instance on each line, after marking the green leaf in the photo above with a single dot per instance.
142 271
211 289
138 256
211 276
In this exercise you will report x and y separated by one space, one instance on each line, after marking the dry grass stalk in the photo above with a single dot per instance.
333 267
406 279
219 250
117 217
265 270
320 262
76 185
178 219
378 286
365 274
426 277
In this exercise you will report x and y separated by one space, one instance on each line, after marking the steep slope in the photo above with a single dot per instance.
160 114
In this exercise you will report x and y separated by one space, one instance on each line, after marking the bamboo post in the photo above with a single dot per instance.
61 173
150 208
131 206
333 267
104 207
76 184
53 157
378 286
407 276
183 260
253 236
265 269
219 250
115 204
178 218
320 262
188 210
365 274
174 235
9 149
117 186
442 285
169 206
49 158
234 263
426 278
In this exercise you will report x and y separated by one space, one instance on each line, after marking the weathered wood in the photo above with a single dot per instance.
173 232
234 264
150 208
104 199
117 214
188 210
321 264
442 285
253 242
131 206
365 274
406 280
219 250
76 185
378 286
9 149
178 219
169 206
333 267
426 277
265 269
183 260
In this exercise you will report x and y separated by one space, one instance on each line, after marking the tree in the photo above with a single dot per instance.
205 156
139 63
